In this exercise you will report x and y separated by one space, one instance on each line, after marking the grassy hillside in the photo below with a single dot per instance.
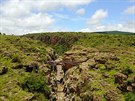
22 69
62 41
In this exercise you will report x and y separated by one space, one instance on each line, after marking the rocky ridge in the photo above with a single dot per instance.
87 75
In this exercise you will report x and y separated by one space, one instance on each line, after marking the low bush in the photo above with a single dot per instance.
127 71
130 96
36 83
60 49
16 58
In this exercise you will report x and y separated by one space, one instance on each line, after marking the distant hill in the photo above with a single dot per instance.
116 32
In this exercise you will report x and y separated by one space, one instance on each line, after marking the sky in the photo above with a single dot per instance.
30 16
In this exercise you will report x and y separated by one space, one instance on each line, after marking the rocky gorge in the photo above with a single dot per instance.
75 66
85 76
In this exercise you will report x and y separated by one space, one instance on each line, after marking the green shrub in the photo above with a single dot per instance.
60 49
127 71
36 83
16 58
130 96
40 97
86 97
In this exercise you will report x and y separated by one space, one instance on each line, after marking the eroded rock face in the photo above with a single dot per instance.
83 80
54 40
74 58
67 63
79 54
86 85
57 40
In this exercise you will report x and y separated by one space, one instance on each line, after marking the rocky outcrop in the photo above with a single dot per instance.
87 74
83 80
74 58
126 83
79 54
86 85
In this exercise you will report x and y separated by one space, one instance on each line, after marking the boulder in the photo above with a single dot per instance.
119 78
92 64
31 67
3 70
101 60
133 84
3 98
129 88
96 98
105 75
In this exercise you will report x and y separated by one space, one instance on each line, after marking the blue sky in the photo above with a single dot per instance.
28 16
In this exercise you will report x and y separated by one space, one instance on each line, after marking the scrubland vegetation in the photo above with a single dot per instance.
104 69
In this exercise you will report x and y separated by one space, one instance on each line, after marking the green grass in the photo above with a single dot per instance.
15 50
130 96
36 83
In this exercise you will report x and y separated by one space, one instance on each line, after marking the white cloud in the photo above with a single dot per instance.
25 6
70 3
127 27
97 17
24 25
23 16
95 24
130 10
85 30
61 16
80 11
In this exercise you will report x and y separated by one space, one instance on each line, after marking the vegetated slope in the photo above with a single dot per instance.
59 41
98 66
23 74
105 68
